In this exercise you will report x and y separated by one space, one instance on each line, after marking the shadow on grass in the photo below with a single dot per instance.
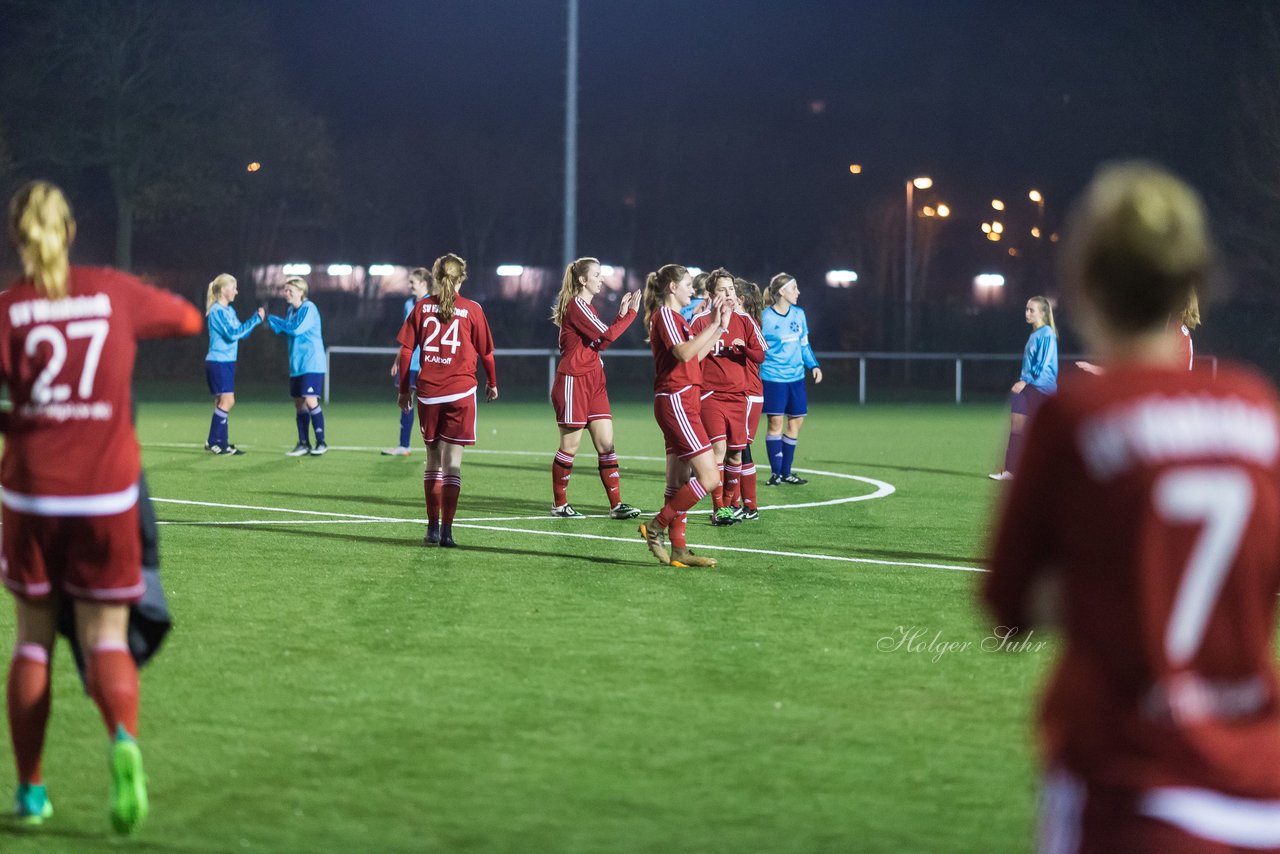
415 542
81 840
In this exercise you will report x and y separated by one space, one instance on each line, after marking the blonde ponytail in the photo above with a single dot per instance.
449 272
42 229
216 287
571 286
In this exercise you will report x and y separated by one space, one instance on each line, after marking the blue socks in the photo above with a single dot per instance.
218 427
773 445
317 421
304 424
788 454
406 427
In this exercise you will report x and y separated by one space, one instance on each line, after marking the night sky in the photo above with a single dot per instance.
751 111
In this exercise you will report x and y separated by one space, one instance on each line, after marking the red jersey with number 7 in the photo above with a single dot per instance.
1153 494
450 349
68 366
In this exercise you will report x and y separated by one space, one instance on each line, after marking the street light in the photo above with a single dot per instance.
922 182
996 204
855 168
944 211
1035 196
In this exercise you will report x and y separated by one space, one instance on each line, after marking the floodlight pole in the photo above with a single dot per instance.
571 141
907 272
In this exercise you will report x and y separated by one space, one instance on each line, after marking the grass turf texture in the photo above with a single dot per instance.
338 687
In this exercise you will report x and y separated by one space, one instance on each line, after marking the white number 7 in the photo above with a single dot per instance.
1220 499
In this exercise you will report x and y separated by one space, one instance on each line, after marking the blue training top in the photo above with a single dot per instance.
225 332
415 361
695 305
306 347
788 354
1040 360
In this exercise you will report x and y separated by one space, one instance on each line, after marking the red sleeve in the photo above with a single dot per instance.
482 340
158 313
583 322
755 341
616 328
667 322
1023 545
407 337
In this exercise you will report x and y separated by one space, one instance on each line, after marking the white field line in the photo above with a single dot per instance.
325 517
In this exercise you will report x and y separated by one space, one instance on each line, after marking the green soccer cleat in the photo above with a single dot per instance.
566 511
724 516
31 804
129 804
624 511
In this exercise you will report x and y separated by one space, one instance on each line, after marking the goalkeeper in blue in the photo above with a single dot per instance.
307 365
788 357
225 332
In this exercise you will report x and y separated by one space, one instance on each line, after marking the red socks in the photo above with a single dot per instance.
609 477
449 492
432 483
747 482
28 695
561 468
733 477
687 496
112 678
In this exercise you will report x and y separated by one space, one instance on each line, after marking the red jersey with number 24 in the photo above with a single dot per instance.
1154 494
667 329
68 366
447 367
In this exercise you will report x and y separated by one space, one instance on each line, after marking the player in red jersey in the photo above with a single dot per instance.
68 338
677 384
1145 522
752 301
724 391
578 393
452 333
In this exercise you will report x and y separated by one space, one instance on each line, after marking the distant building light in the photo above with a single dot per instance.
997 227
841 278
253 167
606 270
1013 253
988 280
1053 238
928 210
382 269
1035 196
994 236
996 204
296 269
855 168
339 270
1035 232
986 228
509 270
694 271
944 211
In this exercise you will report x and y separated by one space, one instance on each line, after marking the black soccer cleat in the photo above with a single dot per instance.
793 480
446 537
432 537
774 480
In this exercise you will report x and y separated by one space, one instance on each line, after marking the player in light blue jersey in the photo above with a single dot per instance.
1038 379
701 300
786 332
419 286
225 332
307 364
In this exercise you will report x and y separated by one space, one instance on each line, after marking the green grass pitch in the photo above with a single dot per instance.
332 685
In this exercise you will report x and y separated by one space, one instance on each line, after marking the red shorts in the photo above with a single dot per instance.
97 558
1101 820
579 400
724 415
755 406
679 416
451 418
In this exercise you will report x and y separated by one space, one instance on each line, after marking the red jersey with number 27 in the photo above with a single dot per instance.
68 366
1154 494
450 349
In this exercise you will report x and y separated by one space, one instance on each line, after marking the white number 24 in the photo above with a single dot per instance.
1220 499
44 390
432 327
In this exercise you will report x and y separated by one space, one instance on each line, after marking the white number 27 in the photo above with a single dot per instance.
1219 498
43 390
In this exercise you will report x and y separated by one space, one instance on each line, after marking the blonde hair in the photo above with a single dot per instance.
42 229
751 298
1191 312
1046 309
656 285
776 284
449 272
216 287
571 287
1137 244
298 282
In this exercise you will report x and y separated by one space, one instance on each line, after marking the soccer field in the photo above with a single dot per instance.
331 685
